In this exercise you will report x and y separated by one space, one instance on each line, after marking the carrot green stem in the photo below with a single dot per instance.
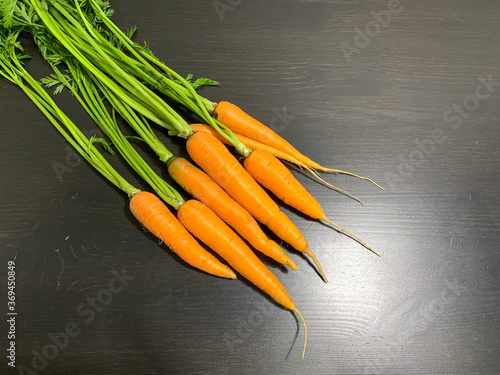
94 72
88 95
184 92
72 29
13 70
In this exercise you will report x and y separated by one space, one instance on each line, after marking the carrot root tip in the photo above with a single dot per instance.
305 331
316 262
329 170
351 236
293 266
316 174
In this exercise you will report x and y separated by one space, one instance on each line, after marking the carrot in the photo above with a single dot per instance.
240 122
255 145
202 187
216 160
273 175
211 230
157 218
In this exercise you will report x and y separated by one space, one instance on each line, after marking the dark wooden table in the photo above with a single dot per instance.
408 97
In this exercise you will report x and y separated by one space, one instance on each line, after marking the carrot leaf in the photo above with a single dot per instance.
105 145
54 81
7 9
200 82
204 82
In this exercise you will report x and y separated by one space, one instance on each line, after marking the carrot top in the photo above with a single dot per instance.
169 82
13 70
84 88
69 24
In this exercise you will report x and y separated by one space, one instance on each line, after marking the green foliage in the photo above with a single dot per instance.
14 13
7 10
204 82
104 5
104 144
55 81
113 39
131 32
200 82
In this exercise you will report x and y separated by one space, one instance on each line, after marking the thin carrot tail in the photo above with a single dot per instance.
329 170
316 262
305 330
351 236
283 258
290 263
316 174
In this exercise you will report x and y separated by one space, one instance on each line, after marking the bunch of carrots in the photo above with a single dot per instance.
113 77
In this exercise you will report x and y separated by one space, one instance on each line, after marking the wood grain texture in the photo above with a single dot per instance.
430 305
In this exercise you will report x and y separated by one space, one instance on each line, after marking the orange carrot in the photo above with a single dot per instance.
216 160
157 218
202 187
255 145
212 231
242 123
205 225
273 175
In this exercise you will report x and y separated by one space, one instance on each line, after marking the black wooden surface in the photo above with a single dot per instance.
430 305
